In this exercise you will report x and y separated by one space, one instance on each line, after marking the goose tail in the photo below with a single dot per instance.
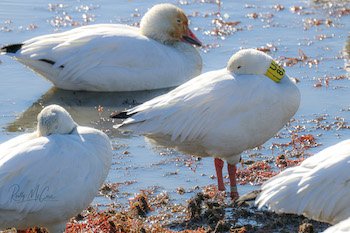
12 48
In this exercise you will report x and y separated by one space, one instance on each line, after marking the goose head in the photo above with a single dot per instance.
167 24
54 119
249 61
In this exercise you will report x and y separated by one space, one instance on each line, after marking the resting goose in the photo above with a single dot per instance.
220 113
341 227
52 174
116 57
319 188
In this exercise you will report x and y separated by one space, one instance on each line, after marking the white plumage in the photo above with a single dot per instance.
220 113
52 174
115 57
341 227
319 188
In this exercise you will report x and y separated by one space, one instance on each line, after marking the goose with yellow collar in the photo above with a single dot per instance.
220 113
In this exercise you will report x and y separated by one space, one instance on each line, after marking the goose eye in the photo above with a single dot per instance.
178 20
238 67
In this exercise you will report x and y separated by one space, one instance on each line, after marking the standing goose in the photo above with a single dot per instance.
52 174
220 113
319 188
115 57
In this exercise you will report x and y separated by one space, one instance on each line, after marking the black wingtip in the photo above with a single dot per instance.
13 48
121 115
48 61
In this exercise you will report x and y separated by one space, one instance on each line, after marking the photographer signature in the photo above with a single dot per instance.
37 193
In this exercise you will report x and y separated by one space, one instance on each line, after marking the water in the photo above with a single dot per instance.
137 164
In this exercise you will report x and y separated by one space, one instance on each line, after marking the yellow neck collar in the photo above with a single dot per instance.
275 72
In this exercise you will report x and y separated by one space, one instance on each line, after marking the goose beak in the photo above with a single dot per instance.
191 38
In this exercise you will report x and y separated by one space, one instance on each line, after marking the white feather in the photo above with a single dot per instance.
114 57
45 180
341 227
318 188
218 113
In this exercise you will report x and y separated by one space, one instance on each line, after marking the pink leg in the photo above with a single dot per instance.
232 175
219 164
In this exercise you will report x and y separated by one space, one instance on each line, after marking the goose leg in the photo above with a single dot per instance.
232 175
219 164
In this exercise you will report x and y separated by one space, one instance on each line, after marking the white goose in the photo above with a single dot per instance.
342 227
115 57
51 175
220 113
319 188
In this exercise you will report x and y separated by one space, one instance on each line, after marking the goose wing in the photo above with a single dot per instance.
318 188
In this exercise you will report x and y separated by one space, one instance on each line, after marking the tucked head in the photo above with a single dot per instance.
168 24
54 119
249 61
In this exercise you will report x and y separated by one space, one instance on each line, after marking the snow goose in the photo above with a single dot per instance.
115 57
52 174
319 188
220 113
342 227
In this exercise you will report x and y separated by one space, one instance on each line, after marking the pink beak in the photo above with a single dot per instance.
191 38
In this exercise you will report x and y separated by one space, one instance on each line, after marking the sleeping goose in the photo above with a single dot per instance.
52 174
115 57
341 227
319 188
220 113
